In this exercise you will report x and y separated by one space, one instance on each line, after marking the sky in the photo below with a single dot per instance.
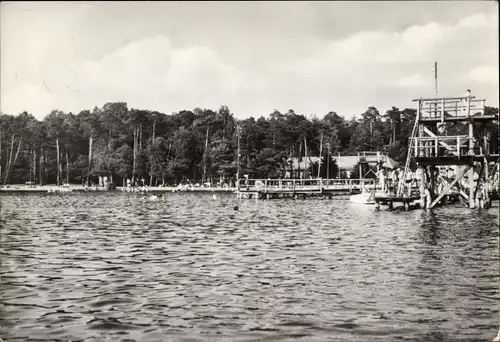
254 57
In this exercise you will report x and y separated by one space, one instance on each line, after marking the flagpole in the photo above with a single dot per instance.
238 159
436 77
435 87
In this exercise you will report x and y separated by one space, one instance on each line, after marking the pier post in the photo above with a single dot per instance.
470 174
486 171
433 182
360 167
471 153
422 185
497 338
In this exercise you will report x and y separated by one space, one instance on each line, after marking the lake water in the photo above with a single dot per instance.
113 267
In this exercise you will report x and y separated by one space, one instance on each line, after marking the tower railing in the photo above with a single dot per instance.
457 145
450 107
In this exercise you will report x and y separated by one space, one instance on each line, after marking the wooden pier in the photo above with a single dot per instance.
300 188
411 202
407 202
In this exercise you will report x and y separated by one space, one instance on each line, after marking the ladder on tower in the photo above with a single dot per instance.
402 179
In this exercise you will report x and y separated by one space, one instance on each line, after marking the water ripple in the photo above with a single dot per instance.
113 267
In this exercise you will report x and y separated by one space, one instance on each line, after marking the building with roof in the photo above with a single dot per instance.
296 167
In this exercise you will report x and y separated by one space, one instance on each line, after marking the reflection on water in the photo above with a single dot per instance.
113 267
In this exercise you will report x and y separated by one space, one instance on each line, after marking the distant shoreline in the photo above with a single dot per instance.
191 189
79 188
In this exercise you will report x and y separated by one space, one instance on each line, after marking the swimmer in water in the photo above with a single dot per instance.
214 196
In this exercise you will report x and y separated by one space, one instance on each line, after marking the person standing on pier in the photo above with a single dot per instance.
394 179
401 180
410 180
418 176
381 179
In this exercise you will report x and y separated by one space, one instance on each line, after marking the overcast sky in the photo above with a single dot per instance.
313 57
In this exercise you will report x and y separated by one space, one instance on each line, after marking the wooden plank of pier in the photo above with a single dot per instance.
390 200
282 188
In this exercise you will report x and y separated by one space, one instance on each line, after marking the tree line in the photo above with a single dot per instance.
195 145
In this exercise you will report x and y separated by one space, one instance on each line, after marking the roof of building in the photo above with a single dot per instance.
347 162
343 162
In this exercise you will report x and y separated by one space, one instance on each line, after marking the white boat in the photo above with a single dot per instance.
366 197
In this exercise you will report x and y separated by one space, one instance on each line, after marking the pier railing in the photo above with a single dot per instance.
266 185
457 145
446 107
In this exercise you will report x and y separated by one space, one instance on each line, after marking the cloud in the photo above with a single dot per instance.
124 72
347 74
416 44
200 70
411 81
150 73
478 20
484 74
391 68
28 97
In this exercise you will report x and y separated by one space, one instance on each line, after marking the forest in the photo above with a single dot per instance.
192 145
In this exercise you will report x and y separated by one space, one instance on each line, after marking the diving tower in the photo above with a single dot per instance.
471 154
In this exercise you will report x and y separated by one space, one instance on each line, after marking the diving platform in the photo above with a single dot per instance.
453 160
445 160
477 118
464 108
